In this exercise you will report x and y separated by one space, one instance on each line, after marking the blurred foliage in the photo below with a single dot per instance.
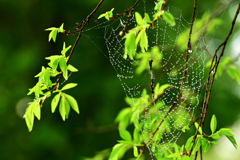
23 46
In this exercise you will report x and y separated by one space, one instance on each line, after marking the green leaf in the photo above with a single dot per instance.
158 5
215 136
232 140
136 135
67 107
130 46
115 151
46 75
139 19
54 60
206 147
64 50
226 129
53 35
214 142
63 67
189 143
54 102
197 145
71 68
107 15
73 103
62 108
124 134
135 151
147 18
68 86
213 124
37 111
125 142
168 17
144 41
198 127
60 29
29 115
185 128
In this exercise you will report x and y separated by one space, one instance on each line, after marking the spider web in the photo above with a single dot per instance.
170 45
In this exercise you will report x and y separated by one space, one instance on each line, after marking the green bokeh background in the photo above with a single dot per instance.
23 47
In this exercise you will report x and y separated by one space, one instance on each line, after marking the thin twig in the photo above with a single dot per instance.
210 79
79 35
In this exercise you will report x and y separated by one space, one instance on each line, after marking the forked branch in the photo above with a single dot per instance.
210 80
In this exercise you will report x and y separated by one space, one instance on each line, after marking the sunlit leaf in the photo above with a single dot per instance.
37 111
124 134
213 124
62 108
139 19
64 50
71 68
73 103
233 141
135 151
54 102
63 67
68 86
168 17
115 151
198 127
136 135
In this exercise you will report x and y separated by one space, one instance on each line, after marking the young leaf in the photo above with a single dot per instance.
226 129
139 19
64 50
62 108
63 67
196 145
136 135
67 107
206 147
107 15
168 17
213 124
215 136
198 127
29 115
115 151
73 103
71 68
124 134
54 102
37 111
232 140
53 35
189 143
68 86
129 45
158 5
135 151
147 18
214 142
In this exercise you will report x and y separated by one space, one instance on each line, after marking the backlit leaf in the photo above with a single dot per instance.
63 67
54 102
168 17
68 86
213 124
71 68
73 103
124 134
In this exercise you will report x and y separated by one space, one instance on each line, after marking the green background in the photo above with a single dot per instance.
23 47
